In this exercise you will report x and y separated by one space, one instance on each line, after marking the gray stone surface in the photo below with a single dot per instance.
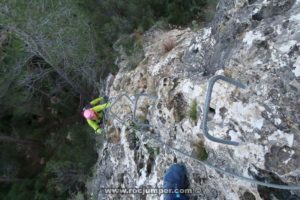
254 41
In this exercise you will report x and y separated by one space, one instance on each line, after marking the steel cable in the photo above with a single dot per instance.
109 114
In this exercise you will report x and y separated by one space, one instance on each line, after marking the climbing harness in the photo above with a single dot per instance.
138 125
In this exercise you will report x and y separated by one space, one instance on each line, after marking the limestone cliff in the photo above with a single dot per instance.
256 42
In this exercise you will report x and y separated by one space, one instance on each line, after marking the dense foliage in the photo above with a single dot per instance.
45 152
53 58
112 19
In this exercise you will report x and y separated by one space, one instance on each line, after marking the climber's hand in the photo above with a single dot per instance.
98 131
106 98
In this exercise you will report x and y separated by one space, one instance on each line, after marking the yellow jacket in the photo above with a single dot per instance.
95 124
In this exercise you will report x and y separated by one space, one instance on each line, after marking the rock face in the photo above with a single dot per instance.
254 41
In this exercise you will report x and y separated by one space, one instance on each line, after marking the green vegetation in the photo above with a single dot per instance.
153 151
45 153
54 56
113 19
201 153
193 111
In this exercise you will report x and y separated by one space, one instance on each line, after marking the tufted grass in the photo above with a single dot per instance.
201 153
193 113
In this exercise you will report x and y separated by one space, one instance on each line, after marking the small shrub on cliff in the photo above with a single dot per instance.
193 111
201 153
168 45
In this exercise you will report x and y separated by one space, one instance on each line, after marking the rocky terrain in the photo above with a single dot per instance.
256 42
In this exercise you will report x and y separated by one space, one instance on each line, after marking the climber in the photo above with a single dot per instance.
94 113
175 179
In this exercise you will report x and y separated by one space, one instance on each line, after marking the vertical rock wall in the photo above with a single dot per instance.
254 41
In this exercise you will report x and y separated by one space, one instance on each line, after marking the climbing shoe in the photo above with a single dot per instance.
175 181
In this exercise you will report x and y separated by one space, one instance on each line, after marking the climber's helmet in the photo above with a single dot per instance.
90 114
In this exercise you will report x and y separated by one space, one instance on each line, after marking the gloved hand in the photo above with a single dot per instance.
106 98
98 131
